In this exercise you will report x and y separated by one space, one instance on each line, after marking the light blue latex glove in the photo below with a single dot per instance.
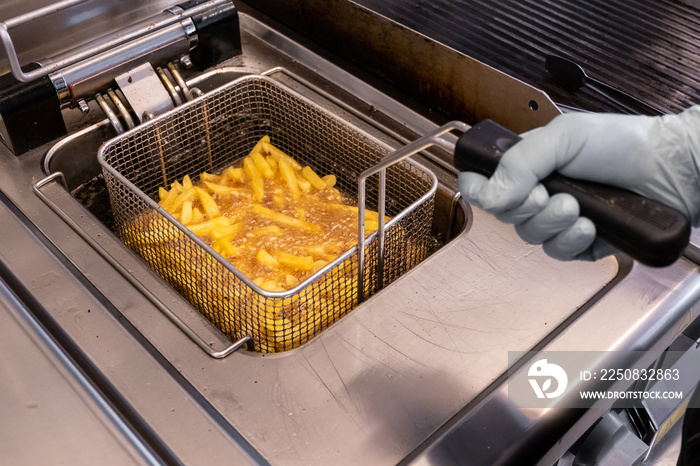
657 157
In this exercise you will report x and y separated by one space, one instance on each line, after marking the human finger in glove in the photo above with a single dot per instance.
656 157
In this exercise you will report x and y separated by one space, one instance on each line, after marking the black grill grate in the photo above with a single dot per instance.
648 48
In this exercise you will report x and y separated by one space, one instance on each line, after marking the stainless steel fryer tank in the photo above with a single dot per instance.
416 374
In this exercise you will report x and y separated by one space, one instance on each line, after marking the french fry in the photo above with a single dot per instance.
225 248
370 225
288 175
284 219
259 145
211 209
169 200
261 164
220 189
234 174
291 281
256 181
295 262
187 194
268 230
271 285
279 155
197 215
329 181
303 183
186 214
272 163
204 176
225 232
186 182
313 178
318 265
316 250
162 193
205 228
279 198
264 258
176 185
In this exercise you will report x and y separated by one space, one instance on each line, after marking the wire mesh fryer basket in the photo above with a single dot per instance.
212 132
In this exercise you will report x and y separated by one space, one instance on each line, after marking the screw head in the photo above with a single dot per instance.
186 62
83 106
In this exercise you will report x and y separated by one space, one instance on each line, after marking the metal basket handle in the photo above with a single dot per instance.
434 138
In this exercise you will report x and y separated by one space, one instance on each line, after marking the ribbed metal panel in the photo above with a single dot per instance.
648 48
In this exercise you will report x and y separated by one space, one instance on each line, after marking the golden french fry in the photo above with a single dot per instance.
289 176
259 145
313 178
370 226
256 180
220 189
162 193
197 215
211 209
224 232
186 181
303 183
268 230
335 194
318 265
295 262
187 194
279 155
204 176
261 164
271 285
234 174
205 228
291 281
329 181
186 214
284 219
272 163
176 185
315 250
266 259
225 248
169 200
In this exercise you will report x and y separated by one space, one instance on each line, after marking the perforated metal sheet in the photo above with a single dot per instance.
213 132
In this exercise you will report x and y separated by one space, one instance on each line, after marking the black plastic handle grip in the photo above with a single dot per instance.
650 232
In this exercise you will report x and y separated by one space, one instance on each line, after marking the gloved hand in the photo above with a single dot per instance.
657 157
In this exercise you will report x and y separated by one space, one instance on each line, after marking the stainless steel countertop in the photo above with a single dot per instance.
401 375
51 413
